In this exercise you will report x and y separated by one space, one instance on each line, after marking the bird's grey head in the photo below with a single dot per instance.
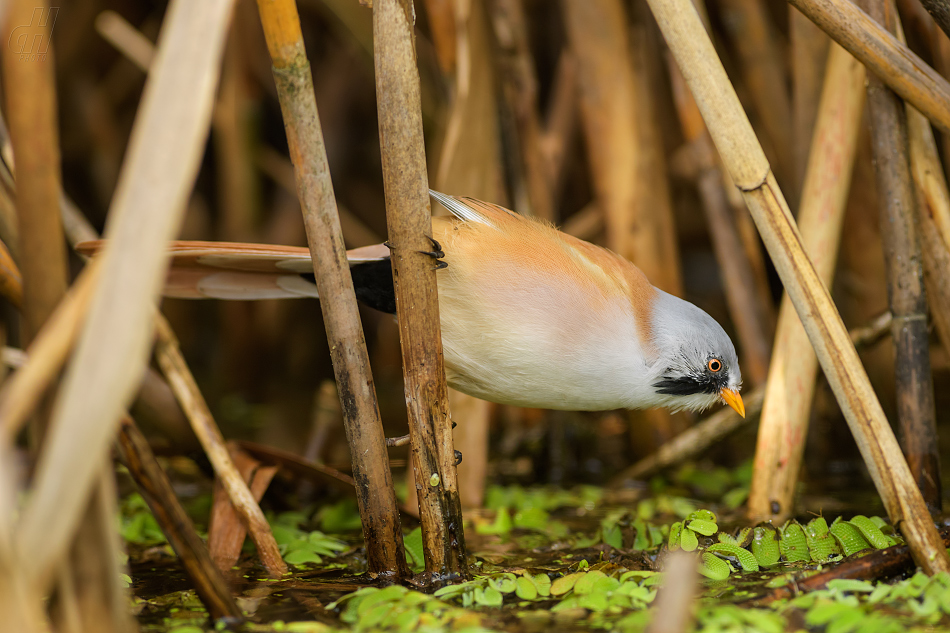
697 365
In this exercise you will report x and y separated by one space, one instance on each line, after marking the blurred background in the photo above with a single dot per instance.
569 110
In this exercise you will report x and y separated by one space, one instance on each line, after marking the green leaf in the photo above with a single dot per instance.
854 586
742 556
585 584
301 556
688 540
871 532
613 537
704 527
414 551
501 525
532 519
794 545
714 567
525 588
676 532
565 583
488 597
701 515
504 583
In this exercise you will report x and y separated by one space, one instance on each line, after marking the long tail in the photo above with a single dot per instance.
248 272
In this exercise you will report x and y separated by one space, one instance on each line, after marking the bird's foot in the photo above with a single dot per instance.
458 457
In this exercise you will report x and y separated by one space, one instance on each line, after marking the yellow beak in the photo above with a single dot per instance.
733 399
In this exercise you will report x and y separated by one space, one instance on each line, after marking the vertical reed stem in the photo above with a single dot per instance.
408 218
905 283
364 431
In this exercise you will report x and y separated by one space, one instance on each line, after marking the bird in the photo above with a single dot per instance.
530 316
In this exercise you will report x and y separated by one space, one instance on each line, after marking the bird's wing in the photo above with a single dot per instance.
226 270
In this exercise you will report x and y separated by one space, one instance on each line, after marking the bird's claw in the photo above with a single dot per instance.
436 253
458 457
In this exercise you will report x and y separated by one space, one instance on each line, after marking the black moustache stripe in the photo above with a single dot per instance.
686 386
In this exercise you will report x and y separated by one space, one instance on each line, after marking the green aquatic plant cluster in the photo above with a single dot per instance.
857 606
764 545
396 608
298 546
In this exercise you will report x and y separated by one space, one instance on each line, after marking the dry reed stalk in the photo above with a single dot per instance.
750 170
113 345
896 65
794 370
748 310
809 58
520 89
31 114
469 155
675 606
560 121
21 394
226 532
763 67
933 218
364 431
905 277
619 124
98 600
117 31
156 489
441 14
169 358
408 217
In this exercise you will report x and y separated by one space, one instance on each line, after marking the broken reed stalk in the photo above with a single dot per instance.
179 377
748 310
791 380
905 277
933 219
364 431
22 392
209 584
409 219
520 89
750 170
226 530
763 67
31 114
159 171
884 55
717 426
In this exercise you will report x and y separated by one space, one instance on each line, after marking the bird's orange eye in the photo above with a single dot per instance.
714 365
